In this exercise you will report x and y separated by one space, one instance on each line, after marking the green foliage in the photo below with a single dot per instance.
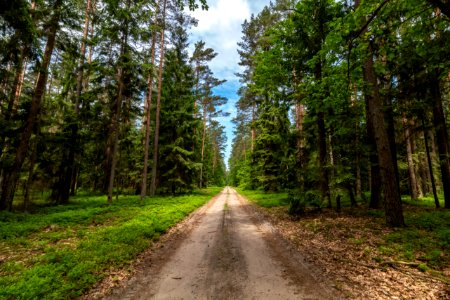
299 201
64 250
265 199
427 238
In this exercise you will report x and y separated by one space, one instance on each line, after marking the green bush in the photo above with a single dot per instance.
298 201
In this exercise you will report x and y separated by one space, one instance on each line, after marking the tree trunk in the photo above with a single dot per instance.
430 164
12 176
91 49
392 200
322 142
29 182
389 119
253 126
118 113
299 119
73 142
14 98
203 149
158 103
148 104
441 135
409 156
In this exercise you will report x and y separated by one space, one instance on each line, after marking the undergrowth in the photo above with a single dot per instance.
59 252
425 240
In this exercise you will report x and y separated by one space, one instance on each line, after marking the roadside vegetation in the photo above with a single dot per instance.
355 244
57 252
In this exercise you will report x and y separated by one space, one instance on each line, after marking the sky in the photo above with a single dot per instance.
220 27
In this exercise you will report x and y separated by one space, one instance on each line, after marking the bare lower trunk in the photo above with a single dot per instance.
253 126
29 182
392 201
116 119
409 157
115 149
158 104
430 164
441 136
203 149
322 143
148 104
73 142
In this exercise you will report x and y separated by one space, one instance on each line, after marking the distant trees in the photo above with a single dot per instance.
76 79
364 86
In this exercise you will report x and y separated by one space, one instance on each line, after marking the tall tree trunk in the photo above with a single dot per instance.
14 98
358 164
11 178
118 113
375 176
375 108
115 126
147 115
299 119
91 49
389 119
441 135
430 163
203 149
409 156
253 126
73 142
29 182
158 103
322 136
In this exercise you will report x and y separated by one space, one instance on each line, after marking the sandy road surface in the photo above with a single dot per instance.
229 254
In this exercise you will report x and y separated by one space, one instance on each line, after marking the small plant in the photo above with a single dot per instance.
423 268
298 201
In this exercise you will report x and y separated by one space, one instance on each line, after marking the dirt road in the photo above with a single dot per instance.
229 254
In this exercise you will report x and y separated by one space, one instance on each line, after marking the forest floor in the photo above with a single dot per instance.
361 256
226 250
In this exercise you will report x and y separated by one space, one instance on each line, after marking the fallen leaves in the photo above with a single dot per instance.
346 248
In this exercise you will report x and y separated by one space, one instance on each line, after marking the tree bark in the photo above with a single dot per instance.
203 149
73 142
253 126
116 117
392 200
430 164
148 104
441 135
409 156
10 181
158 103
322 142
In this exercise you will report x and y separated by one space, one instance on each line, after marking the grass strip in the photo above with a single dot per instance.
59 252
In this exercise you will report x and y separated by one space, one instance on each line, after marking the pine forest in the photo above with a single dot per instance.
126 129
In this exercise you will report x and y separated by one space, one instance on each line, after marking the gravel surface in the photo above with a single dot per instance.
224 251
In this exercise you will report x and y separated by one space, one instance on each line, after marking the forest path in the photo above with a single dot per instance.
228 254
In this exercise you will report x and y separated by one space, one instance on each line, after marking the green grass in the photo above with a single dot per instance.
59 252
265 199
426 237
427 201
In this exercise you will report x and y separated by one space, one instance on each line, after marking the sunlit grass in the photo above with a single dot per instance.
60 251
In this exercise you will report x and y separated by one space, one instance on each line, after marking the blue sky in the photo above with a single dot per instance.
220 28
